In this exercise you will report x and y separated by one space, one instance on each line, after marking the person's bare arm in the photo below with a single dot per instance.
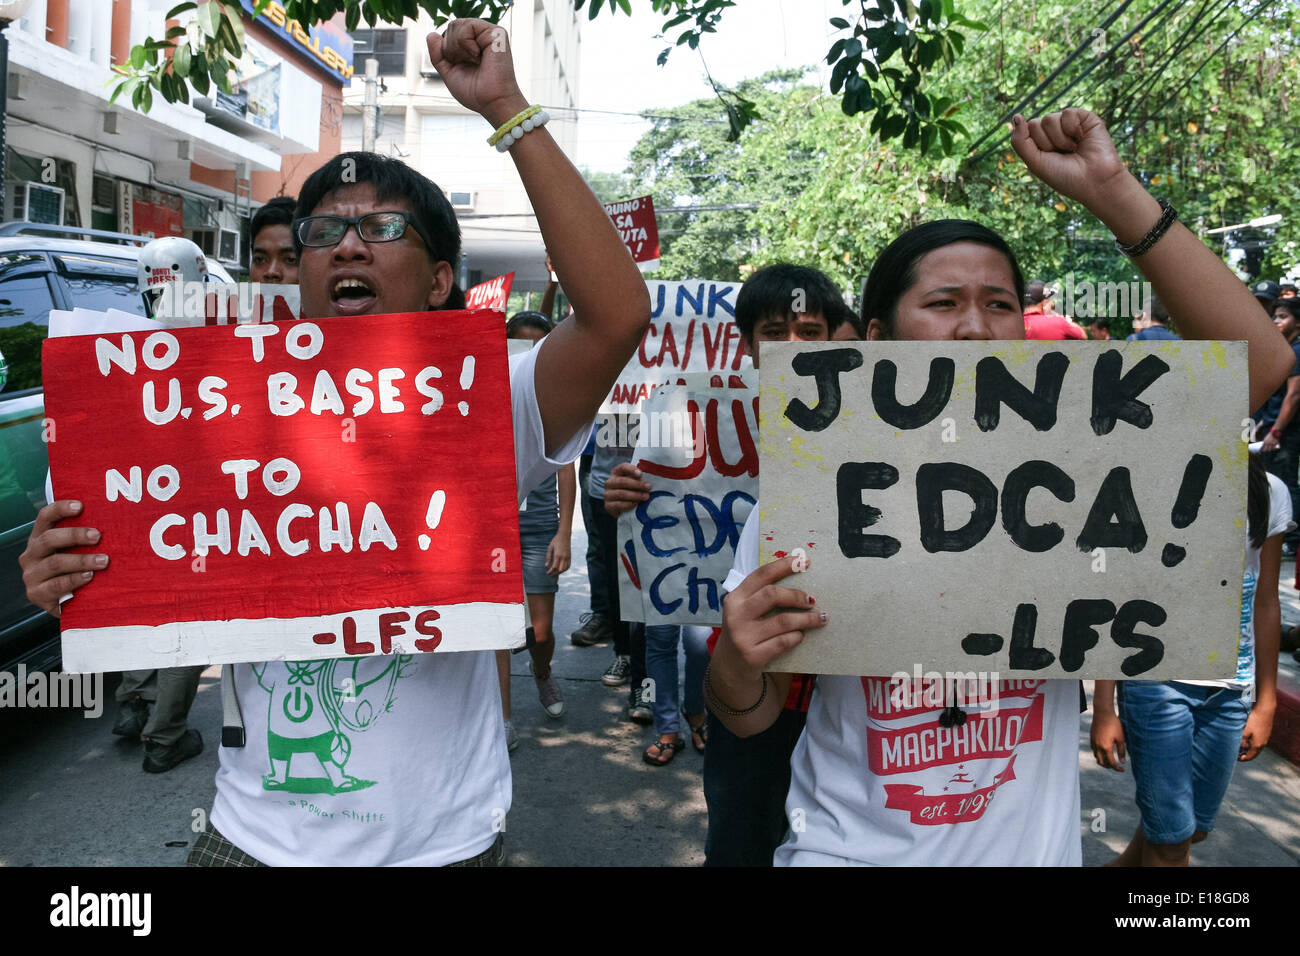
558 553
1071 152
1268 635
759 624
611 306
1107 736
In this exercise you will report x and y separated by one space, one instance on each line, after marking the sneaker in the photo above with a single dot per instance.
595 629
132 715
549 694
159 758
638 708
617 672
512 737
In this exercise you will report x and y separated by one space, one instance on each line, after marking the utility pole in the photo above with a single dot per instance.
370 107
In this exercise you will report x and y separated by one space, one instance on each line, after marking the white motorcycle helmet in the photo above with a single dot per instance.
167 259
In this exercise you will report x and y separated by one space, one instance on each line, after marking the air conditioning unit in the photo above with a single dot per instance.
228 246
220 244
462 199
35 202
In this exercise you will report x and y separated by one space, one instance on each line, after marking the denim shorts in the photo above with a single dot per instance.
533 545
1182 741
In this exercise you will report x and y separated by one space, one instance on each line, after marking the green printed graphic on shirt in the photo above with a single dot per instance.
312 707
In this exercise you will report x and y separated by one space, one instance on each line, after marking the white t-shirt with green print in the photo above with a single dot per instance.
381 760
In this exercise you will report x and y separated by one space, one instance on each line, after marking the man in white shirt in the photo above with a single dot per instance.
411 766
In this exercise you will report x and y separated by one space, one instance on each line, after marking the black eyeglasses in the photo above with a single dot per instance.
383 226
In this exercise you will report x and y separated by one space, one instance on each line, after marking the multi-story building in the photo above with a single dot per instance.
421 123
197 170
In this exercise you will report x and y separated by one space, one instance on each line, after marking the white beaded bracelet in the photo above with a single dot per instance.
518 133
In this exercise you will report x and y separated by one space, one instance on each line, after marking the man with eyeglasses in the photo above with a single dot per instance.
403 759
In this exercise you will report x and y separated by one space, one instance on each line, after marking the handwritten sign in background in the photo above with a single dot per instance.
1103 538
697 445
387 523
692 329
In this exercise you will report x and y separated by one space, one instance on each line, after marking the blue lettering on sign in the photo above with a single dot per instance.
694 585
658 308
718 297
660 605
726 530
650 525
696 302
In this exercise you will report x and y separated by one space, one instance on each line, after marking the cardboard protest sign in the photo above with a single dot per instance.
697 445
1028 509
289 491
637 225
492 294
692 329
183 304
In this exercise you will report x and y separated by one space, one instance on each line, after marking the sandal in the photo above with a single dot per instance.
661 753
699 735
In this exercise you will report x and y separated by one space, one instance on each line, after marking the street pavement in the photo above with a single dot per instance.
73 794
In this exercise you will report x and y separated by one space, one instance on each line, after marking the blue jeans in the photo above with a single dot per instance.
661 667
595 553
1183 741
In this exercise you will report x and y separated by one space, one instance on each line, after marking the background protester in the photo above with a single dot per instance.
274 257
1158 324
1278 420
1266 292
1042 321
958 281
545 533
746 779
1185 737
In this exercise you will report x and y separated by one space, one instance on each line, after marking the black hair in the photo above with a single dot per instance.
1156 309
778 290
1035 292
392 180
1291 305
895 271
525 320
1257 504
277 212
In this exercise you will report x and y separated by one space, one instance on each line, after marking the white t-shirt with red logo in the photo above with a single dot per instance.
877 780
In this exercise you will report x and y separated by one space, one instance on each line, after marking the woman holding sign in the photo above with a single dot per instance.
890 802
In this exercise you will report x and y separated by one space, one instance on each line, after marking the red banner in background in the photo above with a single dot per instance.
492 294
636 223
249 515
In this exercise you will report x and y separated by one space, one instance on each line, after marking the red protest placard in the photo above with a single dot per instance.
290 490
492 294
636 223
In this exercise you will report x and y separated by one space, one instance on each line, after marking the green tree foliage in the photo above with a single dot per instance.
207 51
1199 106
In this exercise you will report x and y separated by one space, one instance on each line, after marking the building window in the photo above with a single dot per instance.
386 46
